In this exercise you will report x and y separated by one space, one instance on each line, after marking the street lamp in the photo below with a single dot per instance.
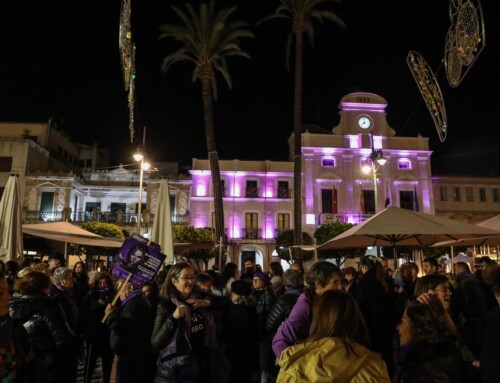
144 166
377 159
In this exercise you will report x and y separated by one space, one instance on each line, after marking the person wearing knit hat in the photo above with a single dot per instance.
264 297
262 276
239 328
241 288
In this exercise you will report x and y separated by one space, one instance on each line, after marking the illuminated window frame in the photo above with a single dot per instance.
404 164
328 162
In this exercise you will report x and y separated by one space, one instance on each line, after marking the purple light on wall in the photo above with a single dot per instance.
236 190
269 233
200 222
356 107
269 193
352 218
354 141
310 219
201 190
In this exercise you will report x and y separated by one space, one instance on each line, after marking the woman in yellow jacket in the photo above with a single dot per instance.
336 351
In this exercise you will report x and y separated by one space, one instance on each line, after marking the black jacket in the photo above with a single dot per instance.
51 338
430 363
281 309
490 349
131 327
240 324
164 328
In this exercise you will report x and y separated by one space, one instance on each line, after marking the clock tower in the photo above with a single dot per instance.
363 112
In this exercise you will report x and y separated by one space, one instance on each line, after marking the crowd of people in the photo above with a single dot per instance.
324 324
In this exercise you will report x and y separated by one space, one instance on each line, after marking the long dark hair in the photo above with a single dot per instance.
430 323
336 314
228 272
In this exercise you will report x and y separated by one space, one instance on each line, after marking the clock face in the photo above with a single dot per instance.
364 122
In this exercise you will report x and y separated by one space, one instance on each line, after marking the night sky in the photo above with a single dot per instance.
60 59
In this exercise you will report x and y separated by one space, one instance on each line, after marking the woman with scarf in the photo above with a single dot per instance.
131 326
184 329
96 333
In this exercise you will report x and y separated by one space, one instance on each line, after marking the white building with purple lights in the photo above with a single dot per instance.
258 202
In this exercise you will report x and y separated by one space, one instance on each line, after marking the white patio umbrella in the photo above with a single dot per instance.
162 225
491 223
11 237
400 227
69 233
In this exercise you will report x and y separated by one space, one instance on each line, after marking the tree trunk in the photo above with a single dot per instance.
213 158
297 134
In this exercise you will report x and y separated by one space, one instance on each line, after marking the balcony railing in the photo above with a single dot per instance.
284 193
252 233
252 192
109 217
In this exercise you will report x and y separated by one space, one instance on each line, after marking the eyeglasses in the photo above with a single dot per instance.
187 278
445 291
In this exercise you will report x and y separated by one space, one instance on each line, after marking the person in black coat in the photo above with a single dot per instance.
378 307
131 326
284 303
490 347
429 343
184 331
80 282
95 332
240 326
51 339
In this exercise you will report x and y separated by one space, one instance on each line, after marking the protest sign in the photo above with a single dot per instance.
140 258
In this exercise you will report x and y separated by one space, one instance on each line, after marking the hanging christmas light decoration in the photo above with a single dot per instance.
430 90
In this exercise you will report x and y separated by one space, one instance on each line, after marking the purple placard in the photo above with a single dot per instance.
141 258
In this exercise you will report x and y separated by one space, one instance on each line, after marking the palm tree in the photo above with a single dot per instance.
207 39
302 13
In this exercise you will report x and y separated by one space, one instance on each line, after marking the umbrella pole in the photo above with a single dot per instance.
452 265
66 253
395 256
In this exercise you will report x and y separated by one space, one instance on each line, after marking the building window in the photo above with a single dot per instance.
5 164
251 190
406 200
283 189
283 223
456 194
482 194
404 164
369 199
496 195
470 194
252 226
328 162
443 192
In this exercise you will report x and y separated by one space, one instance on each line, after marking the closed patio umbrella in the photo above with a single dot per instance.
11 237
162 225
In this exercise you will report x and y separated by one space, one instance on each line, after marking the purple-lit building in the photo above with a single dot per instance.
258 201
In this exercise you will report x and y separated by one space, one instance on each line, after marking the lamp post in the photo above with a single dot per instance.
377 159
139 156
